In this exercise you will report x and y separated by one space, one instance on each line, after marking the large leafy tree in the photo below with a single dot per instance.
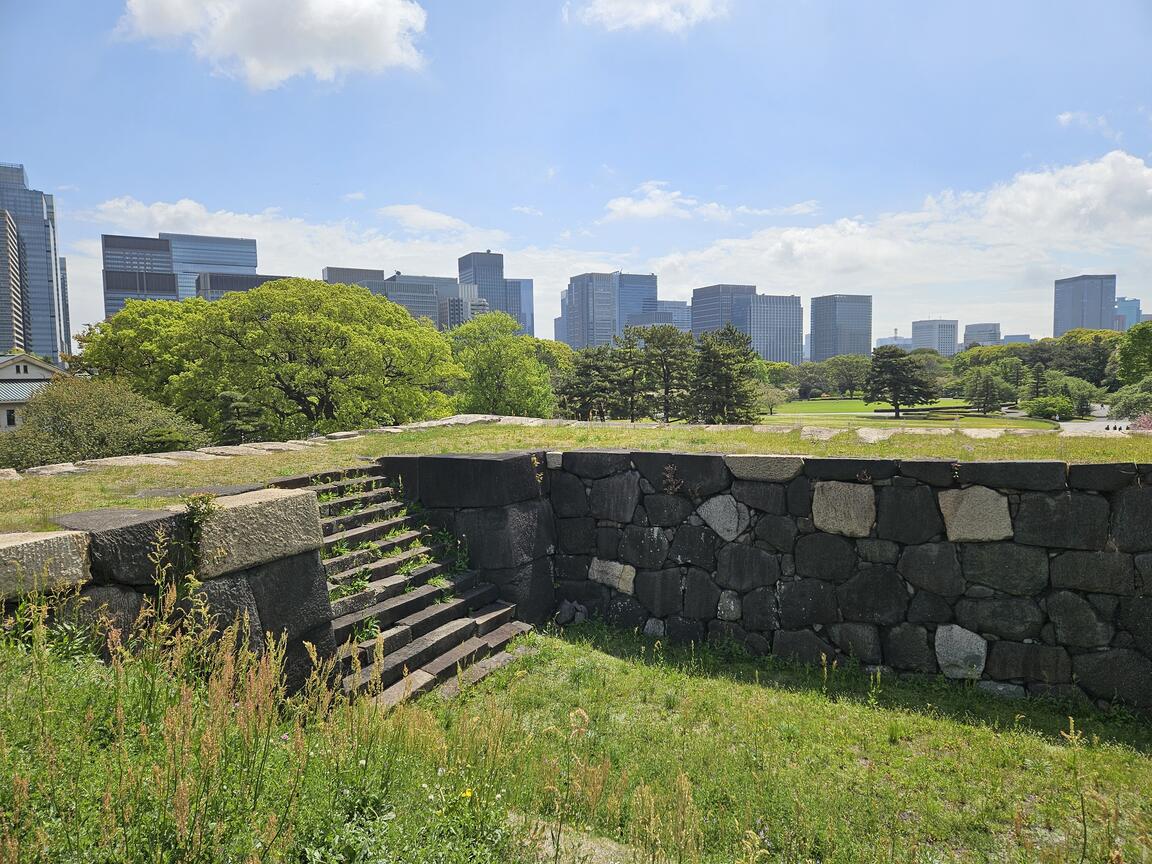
505 373
670 358
847 372
725 390
1134 354
898 378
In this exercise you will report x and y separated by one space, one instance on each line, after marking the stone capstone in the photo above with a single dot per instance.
620 577
933 567
934 472
1037 475
1121 675
1102 477
907 514
959 652
700 595
473 480
697 475
1005 617
975 514
1021 661
724 515
1076 621
825 556
849 468
906 646
768 469
861 641
644 548
9 474
742 567
1103 572
807 602
844 508
594 464
659 591
615 498
291 594
123 543
1007 567
1068 520
42 561
875 595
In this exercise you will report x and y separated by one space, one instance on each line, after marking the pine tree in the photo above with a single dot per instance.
632 396
588 390
670 357
725 390
896 378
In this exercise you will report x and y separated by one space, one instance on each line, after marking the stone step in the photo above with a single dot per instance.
493 615
387 612
381 589
341 522
382 549
360 499
393 639
350 486
374 568
413 655
481 669
469 661
443 611
301 481
374 532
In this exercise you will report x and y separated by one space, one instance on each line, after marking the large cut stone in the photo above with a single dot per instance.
1131 516
614 574
975 514
907 514
569 497
645 548
724 515
766 497
700 595
530 586
1068 520
801 646
929 608
806 602
509 536
825 556
573 568
659 591
615 498
9 474
877 551
934 472
681 631
933 567
42 561
626 612
1102 477
697 475
1101 572
742 567
906 646
1120 675
769 469
960 653
109 607
594 464
576 536
849 468
875 595
667 511
123 543
1136 618
298 662
291 594
760 610
476 479
229 601
1076 621
695 544
844 508
1028 662
1006 617
861 641
1021 570
729 607
1041 476
779 532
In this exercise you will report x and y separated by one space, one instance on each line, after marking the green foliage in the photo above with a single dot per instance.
239 418
986 391
812 380
588 391
900 379
847 373
630 375
505 372
80 418
724 390
670 360
1049 407
1131 401
776 374
1134 354
1084 354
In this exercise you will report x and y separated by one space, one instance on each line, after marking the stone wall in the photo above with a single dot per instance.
1025 576
256 553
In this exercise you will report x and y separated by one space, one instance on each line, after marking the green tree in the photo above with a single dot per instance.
1049 407
504 372
1134 354
588 390
1131 401
632 397
239 418
847 373
986 391
1085 354
725 390
776 374
557 358
770 398
898 379
811 380
670 358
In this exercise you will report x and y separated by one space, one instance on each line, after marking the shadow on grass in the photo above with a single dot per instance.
929 696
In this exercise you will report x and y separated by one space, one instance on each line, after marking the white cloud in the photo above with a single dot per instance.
527 210
415 219
353 196
1083 120
267 42
655 200
670 15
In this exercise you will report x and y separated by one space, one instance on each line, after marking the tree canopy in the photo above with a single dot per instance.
506 370
898 378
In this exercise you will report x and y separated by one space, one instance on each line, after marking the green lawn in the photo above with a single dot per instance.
847 406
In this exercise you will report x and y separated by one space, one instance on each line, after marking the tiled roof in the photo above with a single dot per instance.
20 391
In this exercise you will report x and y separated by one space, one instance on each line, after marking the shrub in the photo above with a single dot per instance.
1048 407
90 418
1131 401
1143 423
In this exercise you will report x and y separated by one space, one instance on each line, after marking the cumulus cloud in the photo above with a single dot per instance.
654 199
527 210
1093 123
267 42
670 15
353 196
415 219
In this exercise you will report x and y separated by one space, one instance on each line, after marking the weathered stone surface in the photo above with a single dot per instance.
700 595
1102 477
779 532
615 497
59 468
742 567
801 646
726 631
1103 572
1076 621
760 611
849 469
959 652
476 480
875 595
681 631
572 567
1028 662
42 560
298 662
128 462
729 607
109 607
554 460
1068 520
1006 617
1013 569
933 567
291 594
907 514
654 627
1001 690
800 496
594 464
1121 675
906 646
861 641
769 469
1136 618
229 601
625 611
694 544
569 497
1131 516
934 472
877 551
766 497
1038 475
695 474
122 543
825 556
975 514
588 594
660 591
530 586
844 508
645 548
608 540
667 510
615 575
503 537
724 515
576 536
807 602
929 608
9 474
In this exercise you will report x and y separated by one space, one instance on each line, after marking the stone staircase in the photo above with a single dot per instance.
408 614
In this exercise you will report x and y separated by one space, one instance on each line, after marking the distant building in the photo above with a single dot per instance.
939 334
526 288
635 295
213 286
485 270
22 376
774 323
675 312
713 306
420 295
981 334
841 324
350 275
590 309
1017 339
193 254
899 341
462 304
1084 301
1128 313
559 323
12 279
136 268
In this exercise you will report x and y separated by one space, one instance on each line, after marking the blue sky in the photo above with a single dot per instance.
951 159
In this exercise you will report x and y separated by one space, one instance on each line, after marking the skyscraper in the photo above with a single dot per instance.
525 289
939 334
716 305
1084 301
777 328
11 287
213 286
981 334
485 270
635 295
193 254
675 312
1128 312
44 299
136 268
841 324
597 306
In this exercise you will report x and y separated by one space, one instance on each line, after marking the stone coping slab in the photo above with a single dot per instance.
42 560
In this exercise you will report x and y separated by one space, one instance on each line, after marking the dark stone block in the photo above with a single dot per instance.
479 479
1102 477
577 536
572 567
1066 520
1103 572
929 608
779 532
698 475
1131 516
1013 569
640 516
906 646
934 472
298 662
1038 475
608 542
861 641
660 591
877 551
291 594
681 631
568 494
122 540
808 601
403 473
529 586
503 537
625 611
1006 617
726 631
801 646
667 510
850 469
1120 675
594 464
1076 621
1136 618
908 514
109 607
700 595
1028 662
645 548
766 497
825 556
742 567
759 611
933 567
590 594
229 601
695 544
615 498
800 496
876 595
757 645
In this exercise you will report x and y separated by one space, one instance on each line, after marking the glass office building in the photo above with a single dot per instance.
674 312
193 254
485 270
44 298
1128 312
939 334
1084 301
635 295
213 286
841 324
11 287
525 289
590 309
716 305
777 327
136 268
981 334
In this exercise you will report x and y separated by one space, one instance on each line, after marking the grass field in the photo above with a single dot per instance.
847 406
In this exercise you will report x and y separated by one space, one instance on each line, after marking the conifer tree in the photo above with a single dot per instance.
725 388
